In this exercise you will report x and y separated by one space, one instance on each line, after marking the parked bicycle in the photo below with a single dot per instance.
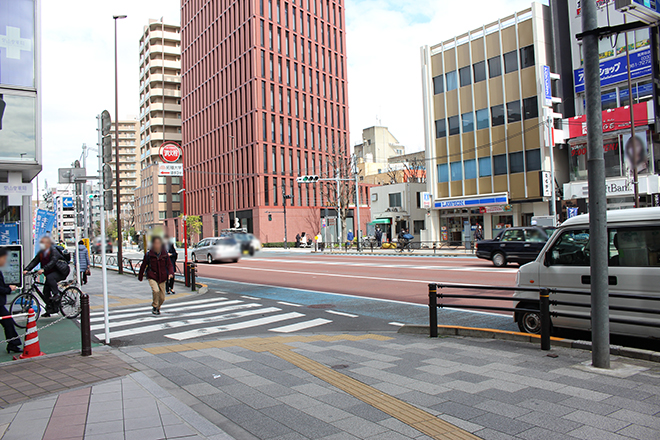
32 298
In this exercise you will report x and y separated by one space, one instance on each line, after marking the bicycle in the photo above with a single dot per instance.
32 298
403 245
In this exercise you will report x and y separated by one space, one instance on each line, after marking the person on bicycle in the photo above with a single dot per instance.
55 267
14 345
158 267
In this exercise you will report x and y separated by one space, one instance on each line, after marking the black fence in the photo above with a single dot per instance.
531 305
371 246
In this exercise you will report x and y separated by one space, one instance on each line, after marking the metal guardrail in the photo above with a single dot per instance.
369 245
544 302
111 260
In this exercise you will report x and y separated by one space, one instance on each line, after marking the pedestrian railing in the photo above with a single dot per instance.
371 246
437 299
111 260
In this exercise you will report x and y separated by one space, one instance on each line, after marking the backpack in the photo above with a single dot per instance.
65 254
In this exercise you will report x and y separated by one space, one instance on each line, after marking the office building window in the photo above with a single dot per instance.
274 191
443 173
484 167
516 162
468 122
454 125
511 61
533 159
526 56
438 84
265 158
470 169
452 80
456 171
513 111
479 70
395 200
483 121
531 107
464 74
440 128
497 115
499 164
494 67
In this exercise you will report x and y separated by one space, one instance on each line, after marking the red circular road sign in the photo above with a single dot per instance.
170 152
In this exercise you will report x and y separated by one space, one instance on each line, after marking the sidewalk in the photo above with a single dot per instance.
377 252
346 387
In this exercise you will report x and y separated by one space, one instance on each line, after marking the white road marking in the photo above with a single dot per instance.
187 322
165 306
230 327
350 315
248 297
208 304
300 326
398 324
284 303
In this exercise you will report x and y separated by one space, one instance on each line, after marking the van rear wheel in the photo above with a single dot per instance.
529 322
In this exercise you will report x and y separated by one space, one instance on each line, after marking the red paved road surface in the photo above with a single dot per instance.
394 278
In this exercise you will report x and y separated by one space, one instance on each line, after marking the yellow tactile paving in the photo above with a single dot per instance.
421 420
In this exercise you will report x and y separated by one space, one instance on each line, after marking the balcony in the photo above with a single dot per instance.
160 136
170 122
166 92
160 35
166 63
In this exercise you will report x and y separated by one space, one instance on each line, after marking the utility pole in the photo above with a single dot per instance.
357 205
87 229
339 225
233 152
600 324
120 262
284 199
104 266
632 122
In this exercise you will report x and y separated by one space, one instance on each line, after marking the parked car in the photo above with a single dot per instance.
249 243
634 274
214 249
514 245
96 246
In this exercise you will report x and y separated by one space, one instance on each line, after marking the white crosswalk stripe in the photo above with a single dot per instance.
203 317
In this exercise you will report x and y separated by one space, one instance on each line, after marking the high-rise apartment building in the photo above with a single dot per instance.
485 126
264 101
129 171
158 197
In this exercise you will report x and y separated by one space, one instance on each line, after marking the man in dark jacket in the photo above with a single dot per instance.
171 251
54 267
8 324
158 268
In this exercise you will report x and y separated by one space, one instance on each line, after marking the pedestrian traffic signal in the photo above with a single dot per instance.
270 217
307 179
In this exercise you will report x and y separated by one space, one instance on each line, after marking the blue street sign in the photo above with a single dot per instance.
616 69
67 202
547 87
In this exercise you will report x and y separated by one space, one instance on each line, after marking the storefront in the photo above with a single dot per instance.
459 217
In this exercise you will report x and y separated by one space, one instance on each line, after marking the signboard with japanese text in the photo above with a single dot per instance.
613 120
13 270
9 233
170 169
44 221
17 42
426 200
615 70
547 87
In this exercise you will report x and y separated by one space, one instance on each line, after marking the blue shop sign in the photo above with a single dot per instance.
460 203
616 70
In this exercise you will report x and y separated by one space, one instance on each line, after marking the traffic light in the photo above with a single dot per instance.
108 204
107 176
106 149
307 179
270 217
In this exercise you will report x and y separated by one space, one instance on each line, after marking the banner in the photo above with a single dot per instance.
44 221
615 70
9 234
636 148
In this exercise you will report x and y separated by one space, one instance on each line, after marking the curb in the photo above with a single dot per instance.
394 254
451 330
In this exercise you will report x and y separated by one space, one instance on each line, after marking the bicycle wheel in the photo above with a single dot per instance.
70 302
22 304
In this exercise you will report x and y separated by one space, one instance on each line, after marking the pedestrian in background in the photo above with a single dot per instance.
158 267
83 262
171 251
478 233
379 236
13 346
349 239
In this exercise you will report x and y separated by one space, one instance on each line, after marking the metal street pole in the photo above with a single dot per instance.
286 241
85 196
357 207
600 324
104 268
339 224
120 264
632 123
233 150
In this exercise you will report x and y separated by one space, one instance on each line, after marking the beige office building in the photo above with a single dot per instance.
484 126
129 169
158 197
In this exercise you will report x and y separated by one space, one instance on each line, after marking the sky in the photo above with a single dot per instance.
383 49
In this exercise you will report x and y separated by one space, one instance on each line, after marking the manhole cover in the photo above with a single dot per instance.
321 306
339 367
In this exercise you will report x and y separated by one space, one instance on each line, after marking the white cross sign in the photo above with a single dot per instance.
14 44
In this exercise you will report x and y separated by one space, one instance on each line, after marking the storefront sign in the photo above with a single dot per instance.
9 233
613 188
17 42
495 209
15 192
546 184
613 120
170 152
547 87
426 200
615 70
170 169
44 221
472 202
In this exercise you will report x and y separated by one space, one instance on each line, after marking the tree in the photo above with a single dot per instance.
194 224
414 171
342 191
111 230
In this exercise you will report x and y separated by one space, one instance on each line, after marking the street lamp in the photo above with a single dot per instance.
117 185
285 197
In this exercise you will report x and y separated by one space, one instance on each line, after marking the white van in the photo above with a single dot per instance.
634 269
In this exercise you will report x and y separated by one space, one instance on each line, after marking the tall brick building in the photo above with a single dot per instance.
264 83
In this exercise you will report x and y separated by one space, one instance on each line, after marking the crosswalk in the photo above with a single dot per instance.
198 318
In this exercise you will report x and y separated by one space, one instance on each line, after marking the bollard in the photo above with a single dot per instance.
433 310
186 274
544 296
85 332
193 276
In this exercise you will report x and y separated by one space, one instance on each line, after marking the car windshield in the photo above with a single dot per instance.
225 241
241 237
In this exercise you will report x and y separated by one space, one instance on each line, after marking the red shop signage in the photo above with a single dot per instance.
613 120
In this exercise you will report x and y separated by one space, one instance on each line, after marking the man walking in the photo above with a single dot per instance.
171 251
158 267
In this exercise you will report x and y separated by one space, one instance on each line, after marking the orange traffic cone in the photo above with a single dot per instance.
32 348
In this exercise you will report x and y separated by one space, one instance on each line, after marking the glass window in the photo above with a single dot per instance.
494 67
470 169
468 122
438 84
483 121
499 164
484 167
497 115
456 171
395 200
578 160
533 159
535 236
514 235
513 111
511 61
440 128
479 70
454 125
19 127
531 107
570 249
17 54
635 247
526 56
464 74
516 162
452 80
443 173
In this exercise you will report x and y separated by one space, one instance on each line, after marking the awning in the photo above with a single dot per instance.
381 221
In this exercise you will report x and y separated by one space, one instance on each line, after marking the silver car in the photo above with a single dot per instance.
214 249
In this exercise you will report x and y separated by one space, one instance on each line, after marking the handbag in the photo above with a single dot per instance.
88 272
